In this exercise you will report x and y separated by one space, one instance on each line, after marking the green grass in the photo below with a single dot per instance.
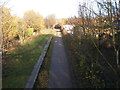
27 45
43 76
17 69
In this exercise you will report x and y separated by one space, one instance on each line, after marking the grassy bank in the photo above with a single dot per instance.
43 76
17 69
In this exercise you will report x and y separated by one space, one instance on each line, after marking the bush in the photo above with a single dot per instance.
85 60
29 32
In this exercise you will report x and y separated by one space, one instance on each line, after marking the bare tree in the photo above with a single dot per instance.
106 21
50 20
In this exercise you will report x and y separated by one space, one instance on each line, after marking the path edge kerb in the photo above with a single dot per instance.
31 81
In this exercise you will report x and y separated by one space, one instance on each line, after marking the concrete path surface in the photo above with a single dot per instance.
59 69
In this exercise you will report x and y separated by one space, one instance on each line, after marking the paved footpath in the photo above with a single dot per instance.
59 69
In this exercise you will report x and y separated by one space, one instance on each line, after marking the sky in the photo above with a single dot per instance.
61 8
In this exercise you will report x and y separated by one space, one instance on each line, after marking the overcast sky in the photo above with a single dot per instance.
61 8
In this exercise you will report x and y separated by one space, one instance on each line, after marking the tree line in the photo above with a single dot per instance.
15 30
95 43
104 21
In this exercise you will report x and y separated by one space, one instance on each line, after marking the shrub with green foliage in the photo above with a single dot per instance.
29 32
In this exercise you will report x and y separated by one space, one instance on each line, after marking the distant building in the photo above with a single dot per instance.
68 27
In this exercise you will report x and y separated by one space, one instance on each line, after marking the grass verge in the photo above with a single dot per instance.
43 76
17 69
